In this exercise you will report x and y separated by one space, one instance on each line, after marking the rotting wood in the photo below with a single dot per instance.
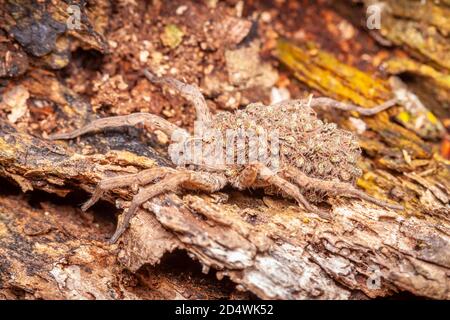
276 250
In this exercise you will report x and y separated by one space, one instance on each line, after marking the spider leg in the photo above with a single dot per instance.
141 178
189 92
325 102
337 188
152 120
271 178
188 179
331 103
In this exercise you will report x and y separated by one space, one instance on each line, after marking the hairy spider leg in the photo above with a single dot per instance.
192 180
141 178
271 178
335 187
331 103
152 120
189 92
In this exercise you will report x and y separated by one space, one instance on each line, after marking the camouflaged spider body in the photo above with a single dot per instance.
316 159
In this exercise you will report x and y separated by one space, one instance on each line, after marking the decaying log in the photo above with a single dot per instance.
268 246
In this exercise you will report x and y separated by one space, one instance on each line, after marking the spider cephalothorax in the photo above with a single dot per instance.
282 147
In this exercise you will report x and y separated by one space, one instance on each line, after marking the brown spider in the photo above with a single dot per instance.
313 160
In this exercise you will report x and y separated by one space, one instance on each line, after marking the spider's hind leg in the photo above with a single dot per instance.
334 187
248 179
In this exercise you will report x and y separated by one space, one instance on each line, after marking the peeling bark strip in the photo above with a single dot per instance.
269 247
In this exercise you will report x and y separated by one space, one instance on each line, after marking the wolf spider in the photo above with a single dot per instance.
316 159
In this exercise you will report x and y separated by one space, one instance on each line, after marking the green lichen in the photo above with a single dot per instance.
172 36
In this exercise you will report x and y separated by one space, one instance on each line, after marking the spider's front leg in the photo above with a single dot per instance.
189 92
189 179
249 175
334 187
151 120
